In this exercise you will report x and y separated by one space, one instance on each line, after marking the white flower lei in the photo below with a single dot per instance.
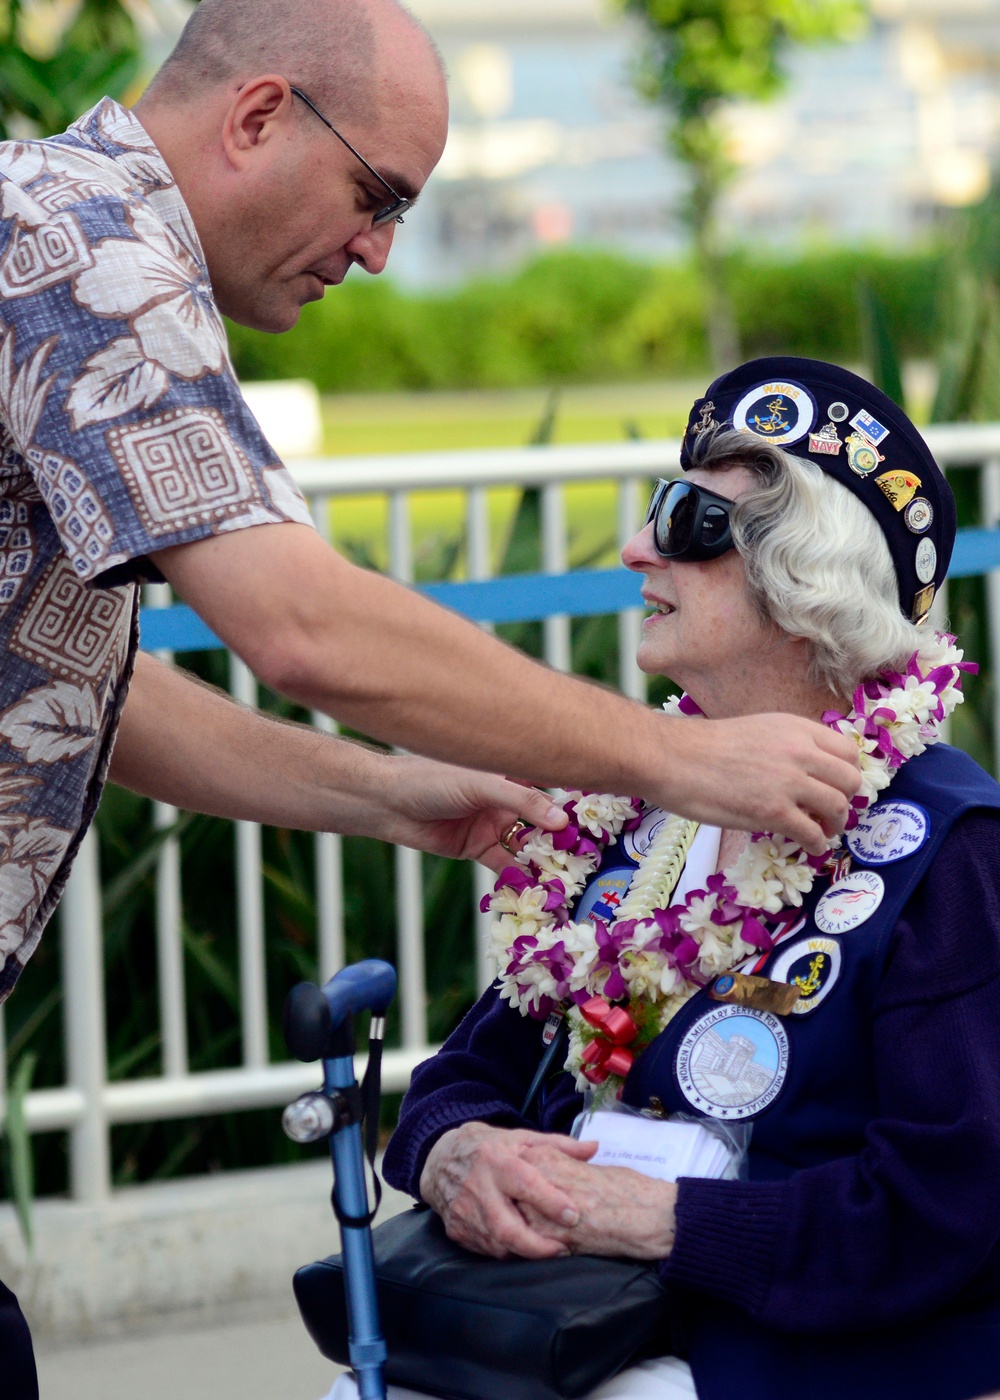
654 955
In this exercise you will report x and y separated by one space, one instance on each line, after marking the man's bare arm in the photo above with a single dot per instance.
386 661
185 743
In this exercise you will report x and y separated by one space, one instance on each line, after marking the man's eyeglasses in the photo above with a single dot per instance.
689 521
388 213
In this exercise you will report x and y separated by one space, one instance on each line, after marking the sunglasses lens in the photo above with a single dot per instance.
654 501
714 525
675 519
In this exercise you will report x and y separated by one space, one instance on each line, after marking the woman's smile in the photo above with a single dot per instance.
658 608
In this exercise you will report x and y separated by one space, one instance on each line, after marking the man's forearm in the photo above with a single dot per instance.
183 743
391 664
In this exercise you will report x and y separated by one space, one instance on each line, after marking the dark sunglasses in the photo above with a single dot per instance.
689 521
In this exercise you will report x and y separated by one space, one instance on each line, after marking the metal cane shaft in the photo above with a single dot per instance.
366 1344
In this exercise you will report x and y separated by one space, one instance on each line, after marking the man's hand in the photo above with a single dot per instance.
459 812
481 1180
765 773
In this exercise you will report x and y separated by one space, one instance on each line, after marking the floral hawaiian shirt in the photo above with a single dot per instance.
122 431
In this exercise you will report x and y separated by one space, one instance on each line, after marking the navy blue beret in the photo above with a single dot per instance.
858 435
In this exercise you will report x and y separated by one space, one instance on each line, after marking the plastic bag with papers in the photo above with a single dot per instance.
665 1148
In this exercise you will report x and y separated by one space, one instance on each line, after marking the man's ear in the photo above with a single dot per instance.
257 114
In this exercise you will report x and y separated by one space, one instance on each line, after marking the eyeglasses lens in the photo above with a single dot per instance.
391 214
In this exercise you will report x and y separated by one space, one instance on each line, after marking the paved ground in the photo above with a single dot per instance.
261 1359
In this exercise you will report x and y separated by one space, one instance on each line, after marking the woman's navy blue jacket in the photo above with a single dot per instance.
861 1257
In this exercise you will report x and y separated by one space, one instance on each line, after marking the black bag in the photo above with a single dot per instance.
467 1327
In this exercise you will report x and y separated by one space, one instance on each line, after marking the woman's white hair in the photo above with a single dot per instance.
817 562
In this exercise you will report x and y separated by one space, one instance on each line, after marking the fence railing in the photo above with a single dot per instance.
87 1105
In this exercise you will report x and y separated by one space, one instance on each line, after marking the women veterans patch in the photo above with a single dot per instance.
732 1062
781 412
812 965
849 902
889 831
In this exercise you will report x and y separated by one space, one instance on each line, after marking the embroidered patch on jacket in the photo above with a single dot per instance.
888 832
732 1062
636 843
850 902
812 965
603 895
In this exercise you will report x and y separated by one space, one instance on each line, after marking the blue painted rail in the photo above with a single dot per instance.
528 597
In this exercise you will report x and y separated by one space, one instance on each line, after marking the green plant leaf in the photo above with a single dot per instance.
118 890
219 976
877 341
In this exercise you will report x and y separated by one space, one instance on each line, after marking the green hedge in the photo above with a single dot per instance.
588 316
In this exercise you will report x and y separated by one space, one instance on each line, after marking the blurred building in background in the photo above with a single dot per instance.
550 145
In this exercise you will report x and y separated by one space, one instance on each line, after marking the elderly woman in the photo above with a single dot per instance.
846 1012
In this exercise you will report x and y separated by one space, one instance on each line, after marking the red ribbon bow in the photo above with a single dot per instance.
606 1053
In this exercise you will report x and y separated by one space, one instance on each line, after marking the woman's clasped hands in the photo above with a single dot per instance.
504 1191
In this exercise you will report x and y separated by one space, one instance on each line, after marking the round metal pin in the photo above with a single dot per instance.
926 560
918 515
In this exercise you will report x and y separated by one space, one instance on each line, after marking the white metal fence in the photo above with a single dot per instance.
87 1105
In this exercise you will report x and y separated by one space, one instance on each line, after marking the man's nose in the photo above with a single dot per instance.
370 248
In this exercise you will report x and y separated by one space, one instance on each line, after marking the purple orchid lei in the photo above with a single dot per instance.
656 954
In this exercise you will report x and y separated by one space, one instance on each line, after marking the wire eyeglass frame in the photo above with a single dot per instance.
389 213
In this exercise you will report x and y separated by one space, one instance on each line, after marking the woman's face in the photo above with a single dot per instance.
704 632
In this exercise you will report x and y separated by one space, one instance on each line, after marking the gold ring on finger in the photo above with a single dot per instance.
508 834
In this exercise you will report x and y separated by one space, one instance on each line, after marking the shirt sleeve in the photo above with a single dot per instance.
900 1229
116 387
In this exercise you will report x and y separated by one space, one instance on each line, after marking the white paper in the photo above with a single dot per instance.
659 1149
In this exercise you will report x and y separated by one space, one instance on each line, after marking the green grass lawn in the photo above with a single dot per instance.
377 423
364 423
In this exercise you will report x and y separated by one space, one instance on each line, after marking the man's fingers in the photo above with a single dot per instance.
780 773
823 807
805 831
835 761
534 807
842 746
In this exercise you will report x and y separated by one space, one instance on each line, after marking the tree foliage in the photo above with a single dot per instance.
50 72
577 316
700 57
